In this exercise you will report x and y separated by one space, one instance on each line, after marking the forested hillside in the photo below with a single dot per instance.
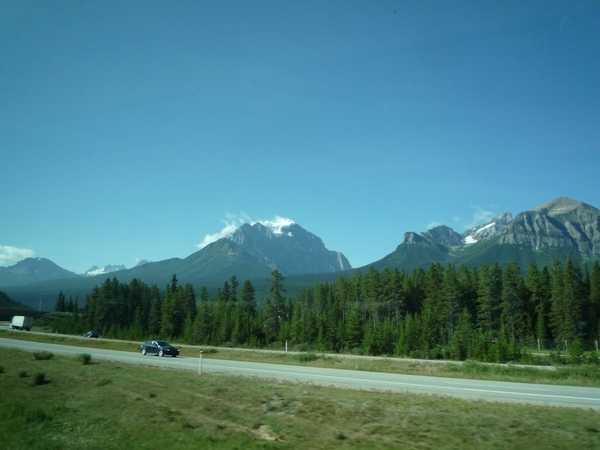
486 313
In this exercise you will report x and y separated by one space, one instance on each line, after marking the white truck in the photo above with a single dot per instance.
21 323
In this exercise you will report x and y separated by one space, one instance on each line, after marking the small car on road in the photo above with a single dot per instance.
91 334
159 347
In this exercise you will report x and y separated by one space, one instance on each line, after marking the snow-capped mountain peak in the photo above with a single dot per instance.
285 245
278 224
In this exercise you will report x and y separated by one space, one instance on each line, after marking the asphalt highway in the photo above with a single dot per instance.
566 396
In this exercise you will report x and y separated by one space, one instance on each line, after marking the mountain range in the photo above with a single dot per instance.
555 229
558 228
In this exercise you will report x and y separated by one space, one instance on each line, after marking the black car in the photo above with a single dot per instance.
160 348
91 334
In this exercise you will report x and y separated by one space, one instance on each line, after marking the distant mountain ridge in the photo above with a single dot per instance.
31 270
251 252
558 228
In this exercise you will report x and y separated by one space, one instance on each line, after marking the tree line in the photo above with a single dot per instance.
487 313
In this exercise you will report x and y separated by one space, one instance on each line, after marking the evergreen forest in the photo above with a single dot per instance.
485 313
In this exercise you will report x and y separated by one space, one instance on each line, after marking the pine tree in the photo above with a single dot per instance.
489 297
575 296
451 294
155 316
354 327
179 304
459 346
60 303
511 289
409 339
234 286
533 285
274 309
564 326
467 286
435 310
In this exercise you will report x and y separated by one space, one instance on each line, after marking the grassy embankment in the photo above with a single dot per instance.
574 375
74 402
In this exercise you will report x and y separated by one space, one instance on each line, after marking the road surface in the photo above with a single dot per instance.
569 396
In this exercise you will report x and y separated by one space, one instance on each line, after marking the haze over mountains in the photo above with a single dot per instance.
555 229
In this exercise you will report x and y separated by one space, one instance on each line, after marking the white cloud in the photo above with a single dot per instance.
229 228
277 224
480 216
433 224
10 254
232 222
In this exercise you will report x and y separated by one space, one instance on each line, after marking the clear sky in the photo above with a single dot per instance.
131 130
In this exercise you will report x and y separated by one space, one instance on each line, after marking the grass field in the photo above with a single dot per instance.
584 375
79 403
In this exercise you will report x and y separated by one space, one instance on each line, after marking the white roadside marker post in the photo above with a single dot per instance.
200 364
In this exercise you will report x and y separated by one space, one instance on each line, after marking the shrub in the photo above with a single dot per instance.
590 358
576 352
39 378
22 374
1 369
84 358
43 355
340 436
557 359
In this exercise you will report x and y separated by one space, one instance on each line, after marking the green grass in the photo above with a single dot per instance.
583 375
110 405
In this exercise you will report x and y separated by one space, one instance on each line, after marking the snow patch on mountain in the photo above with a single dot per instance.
487 230
472 238
95 270
278 224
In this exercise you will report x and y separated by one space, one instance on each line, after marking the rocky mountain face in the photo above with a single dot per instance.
289 248
487 230
555 229
561 223
444 235
447 237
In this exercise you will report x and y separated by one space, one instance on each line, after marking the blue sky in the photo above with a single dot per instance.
131 130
